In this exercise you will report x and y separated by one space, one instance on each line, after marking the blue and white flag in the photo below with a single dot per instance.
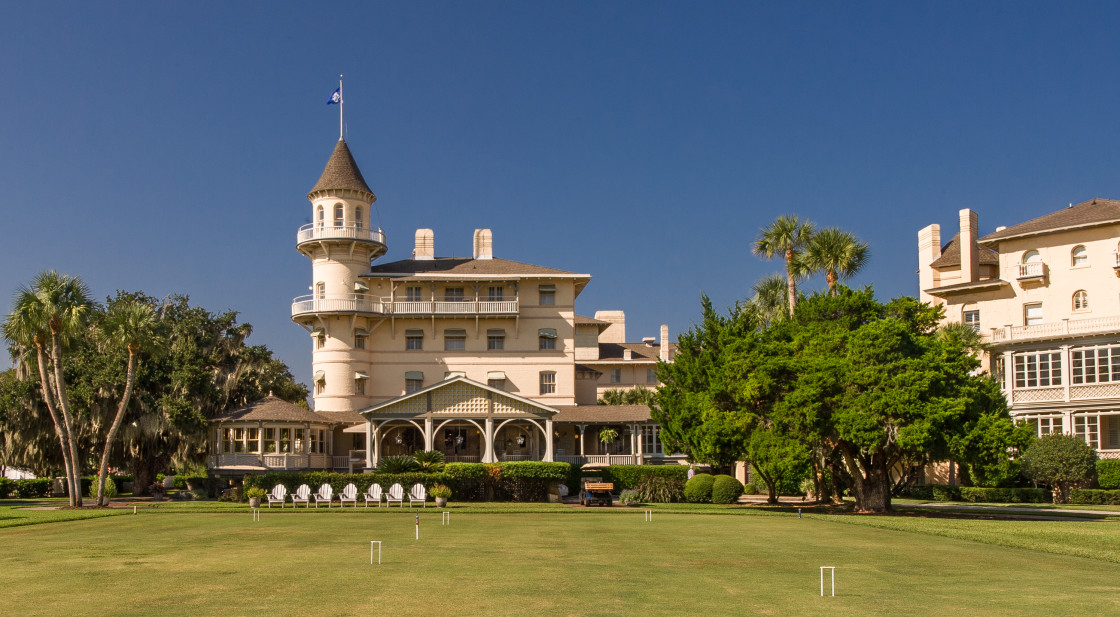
336 97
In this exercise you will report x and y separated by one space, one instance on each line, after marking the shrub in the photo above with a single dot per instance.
234 494
946 493
976 494
110 488
1108 473
916 491
630 476
661 489
441 491
726 489
429 461
255 492
629 497
398 464
6 487
1098 497
36 487
1060 461
699 488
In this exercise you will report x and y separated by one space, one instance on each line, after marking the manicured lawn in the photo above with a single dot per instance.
541 559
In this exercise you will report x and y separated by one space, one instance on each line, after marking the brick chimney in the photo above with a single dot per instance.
483 244
664 351
425 245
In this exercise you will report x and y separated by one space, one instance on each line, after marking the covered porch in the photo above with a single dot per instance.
466 420
272 434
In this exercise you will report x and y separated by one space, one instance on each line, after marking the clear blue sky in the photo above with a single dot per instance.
168 147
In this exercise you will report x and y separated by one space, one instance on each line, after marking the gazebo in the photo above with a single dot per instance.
272 434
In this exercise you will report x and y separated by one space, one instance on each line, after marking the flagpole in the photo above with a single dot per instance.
340 102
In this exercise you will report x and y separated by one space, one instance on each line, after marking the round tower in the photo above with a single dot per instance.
340 241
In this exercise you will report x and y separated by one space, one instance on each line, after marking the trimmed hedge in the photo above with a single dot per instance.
974 494
1108 473
1099 497
515 481
726 489
699 488
28 489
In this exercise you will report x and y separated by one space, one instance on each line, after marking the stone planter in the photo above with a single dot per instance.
441 502
254 502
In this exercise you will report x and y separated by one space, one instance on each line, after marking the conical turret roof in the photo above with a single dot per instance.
341 173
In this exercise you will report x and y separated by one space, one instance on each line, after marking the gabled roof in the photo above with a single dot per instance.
341 173
273 409
447 382
464 266
1085 214
951 255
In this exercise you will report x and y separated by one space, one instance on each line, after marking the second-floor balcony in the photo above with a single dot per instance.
364 303
1055 329
315 232
1033 270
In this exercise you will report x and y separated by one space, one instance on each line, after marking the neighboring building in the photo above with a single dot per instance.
481 357
1045 294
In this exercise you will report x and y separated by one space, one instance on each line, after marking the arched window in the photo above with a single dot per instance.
1080 300
320 290
358 217
1079 256
1032 257
319 216
338 215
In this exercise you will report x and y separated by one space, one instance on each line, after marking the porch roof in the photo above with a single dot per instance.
602 413
459 396
273 409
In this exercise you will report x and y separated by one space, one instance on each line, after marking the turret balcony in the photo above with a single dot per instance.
314 233
362 303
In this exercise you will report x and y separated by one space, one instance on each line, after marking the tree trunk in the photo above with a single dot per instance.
871 482
48 398
831 278
67 419
103 473
771 487
791 282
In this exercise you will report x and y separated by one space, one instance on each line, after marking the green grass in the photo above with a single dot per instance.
543 559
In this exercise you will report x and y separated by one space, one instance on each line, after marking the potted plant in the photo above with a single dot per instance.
441 493
255 495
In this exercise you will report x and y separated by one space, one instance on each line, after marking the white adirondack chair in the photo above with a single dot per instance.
350 493
302 494
278 495
418 493
396 493
326 493
373 494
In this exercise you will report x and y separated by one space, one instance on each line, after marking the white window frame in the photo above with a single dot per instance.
1086 364
339 214
1080 300
1038 369
1028 320
548 382
1079 256
971 319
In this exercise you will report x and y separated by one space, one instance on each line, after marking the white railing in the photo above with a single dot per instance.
1032 270
313 231
600 459
1064 327
286 461
340 462
461 458
434 307
335 303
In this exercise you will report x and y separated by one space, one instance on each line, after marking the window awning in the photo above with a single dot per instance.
547 288
495 332
361 332
414 332
360 375
320 376
414 375
318 332
360 286
450 374
455 333
496 375
547 333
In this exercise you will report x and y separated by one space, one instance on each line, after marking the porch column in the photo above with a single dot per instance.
581 437
375 433
428 434
641 447
260 443
369 444
1067 422
488 454
548 457
1100 433
1065 371
1009 377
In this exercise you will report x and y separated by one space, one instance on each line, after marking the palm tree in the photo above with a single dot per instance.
44 316
786 236
131 326
836 253
770 298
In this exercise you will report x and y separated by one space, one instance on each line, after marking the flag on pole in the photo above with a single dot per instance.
336 97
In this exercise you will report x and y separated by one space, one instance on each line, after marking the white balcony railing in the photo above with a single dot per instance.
1032 270
1054 329
314 232
362 303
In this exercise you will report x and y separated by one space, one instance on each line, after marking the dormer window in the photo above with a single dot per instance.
1079 256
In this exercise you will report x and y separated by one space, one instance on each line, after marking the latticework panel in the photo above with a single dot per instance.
461 399
1040 395
1104 390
